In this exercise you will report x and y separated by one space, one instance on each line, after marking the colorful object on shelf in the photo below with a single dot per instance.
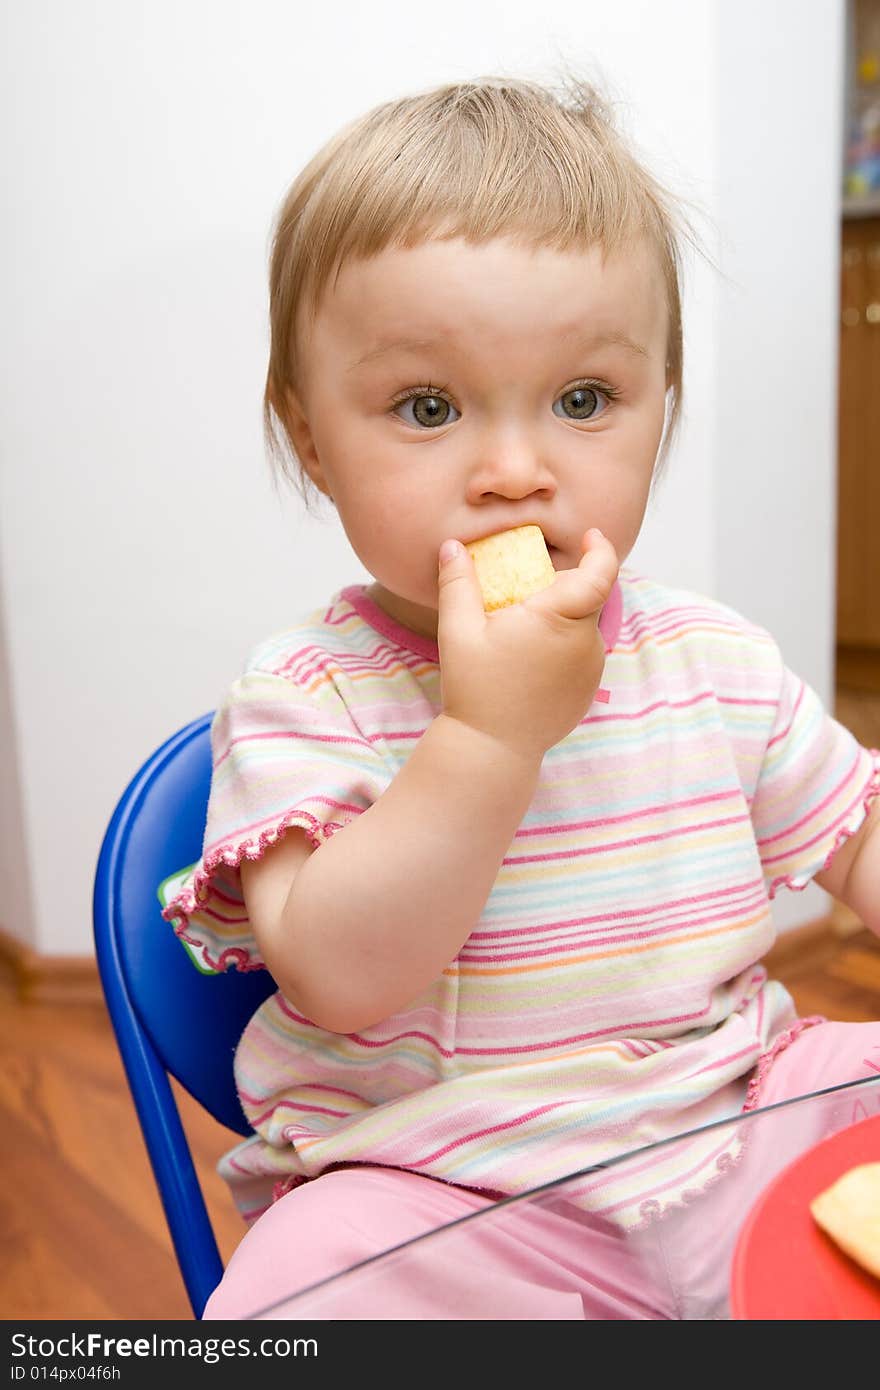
862 175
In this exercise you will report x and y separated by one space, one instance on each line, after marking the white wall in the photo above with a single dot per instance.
780 147
142 546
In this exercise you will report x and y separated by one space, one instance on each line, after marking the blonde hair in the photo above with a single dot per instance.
477 160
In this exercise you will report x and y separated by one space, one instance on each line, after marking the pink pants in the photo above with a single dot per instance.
542 1259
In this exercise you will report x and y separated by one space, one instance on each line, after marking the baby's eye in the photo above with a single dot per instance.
426 411
581 403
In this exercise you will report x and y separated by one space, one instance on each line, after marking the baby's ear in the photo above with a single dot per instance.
297 425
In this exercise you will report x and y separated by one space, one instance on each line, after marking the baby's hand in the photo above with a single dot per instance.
527 674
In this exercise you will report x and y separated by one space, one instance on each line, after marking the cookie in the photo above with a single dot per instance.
849 1212
511 565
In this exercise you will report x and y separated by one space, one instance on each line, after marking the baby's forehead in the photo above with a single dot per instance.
438 264
412 291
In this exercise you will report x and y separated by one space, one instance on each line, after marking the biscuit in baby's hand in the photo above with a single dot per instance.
849 1212
511 565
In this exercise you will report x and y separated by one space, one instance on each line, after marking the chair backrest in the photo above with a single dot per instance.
167 1016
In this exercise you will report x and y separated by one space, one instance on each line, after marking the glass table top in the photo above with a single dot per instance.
494 1265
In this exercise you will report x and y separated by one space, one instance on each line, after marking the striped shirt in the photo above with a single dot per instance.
611 994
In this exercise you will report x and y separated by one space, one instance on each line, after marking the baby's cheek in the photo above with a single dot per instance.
404 540
403 563
624 518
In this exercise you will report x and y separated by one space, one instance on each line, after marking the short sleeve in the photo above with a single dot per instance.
815 787
282 757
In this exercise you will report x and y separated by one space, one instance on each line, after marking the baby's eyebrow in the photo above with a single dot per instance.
394 345
588 344
608 340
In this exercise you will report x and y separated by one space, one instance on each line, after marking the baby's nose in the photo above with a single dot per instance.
511 467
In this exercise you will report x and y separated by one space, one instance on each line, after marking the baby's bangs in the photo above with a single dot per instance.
479 162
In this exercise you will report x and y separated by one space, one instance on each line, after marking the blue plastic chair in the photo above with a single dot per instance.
168 1018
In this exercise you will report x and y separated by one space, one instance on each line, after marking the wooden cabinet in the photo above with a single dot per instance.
858 516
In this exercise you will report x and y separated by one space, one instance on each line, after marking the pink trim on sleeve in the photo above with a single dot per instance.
797 882
195 896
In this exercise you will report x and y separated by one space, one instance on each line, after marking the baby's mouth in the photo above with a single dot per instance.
557 557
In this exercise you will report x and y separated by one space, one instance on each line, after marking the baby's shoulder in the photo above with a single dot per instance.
303 671
680 619
329 633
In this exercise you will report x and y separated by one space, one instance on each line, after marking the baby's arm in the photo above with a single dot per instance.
853 876
357 929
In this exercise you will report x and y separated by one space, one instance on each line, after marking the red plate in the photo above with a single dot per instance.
784 1265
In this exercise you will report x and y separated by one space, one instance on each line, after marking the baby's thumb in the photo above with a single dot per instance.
461 599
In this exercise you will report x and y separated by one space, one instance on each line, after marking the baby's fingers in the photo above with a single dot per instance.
599 557
579 592
460 597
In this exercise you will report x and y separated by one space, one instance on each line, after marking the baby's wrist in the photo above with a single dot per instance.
475 744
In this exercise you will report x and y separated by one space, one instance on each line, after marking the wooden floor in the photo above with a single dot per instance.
82 1233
